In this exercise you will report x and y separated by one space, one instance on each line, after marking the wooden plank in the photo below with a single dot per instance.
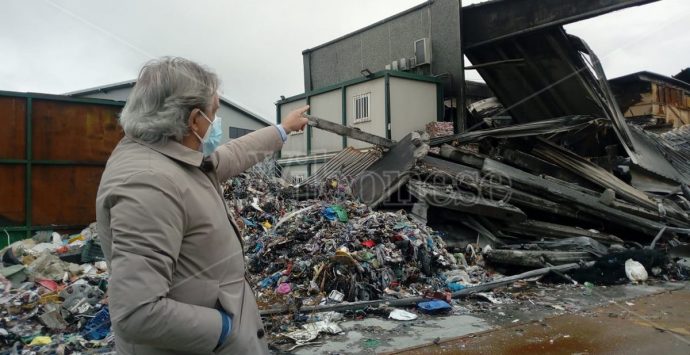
13 134
563 194
465 202
353 133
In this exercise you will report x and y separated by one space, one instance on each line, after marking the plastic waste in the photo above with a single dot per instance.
336 296
16 274
41 340
311 331
49 284
434 307
368 243
284 288
248 222
270 281
635 271
99 326
340 213
329 214
454 286
399 314
331 316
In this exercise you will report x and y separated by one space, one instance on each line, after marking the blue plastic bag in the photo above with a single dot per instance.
454 286
248 222
434 306
270 281
329 214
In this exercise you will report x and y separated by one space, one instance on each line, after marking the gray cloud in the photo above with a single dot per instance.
255 46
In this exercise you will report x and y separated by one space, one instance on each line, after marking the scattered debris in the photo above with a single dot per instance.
53 300
399 314
635 271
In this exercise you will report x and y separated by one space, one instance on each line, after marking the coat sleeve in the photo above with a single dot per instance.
240 154
147 221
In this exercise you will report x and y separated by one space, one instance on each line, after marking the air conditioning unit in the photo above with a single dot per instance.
412 62
394 65
388 67
403 64
422 51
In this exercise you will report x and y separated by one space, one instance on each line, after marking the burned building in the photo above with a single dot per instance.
653 101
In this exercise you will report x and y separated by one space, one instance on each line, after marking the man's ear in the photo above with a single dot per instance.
193 120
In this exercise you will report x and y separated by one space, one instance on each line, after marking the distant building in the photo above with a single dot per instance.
654 101
684 75
422 40
237 120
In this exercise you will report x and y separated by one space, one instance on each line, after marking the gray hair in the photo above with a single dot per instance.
166 92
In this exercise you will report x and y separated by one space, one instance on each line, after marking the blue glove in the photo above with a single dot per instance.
226 320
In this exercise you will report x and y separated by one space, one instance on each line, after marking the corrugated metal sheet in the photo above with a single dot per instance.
676 147
350 162
561 76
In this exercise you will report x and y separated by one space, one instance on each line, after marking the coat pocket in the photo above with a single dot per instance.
199 292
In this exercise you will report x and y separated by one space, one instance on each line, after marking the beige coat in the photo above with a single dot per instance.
174 254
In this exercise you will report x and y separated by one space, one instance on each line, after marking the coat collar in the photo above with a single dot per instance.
176 151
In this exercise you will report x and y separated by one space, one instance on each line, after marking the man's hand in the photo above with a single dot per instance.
294 121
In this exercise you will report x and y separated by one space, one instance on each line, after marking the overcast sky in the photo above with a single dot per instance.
255 46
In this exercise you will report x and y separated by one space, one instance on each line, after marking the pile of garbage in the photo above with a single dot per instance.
52 295
334 249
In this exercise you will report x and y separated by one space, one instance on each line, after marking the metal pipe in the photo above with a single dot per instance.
409 301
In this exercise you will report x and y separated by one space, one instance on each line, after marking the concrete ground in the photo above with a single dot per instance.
529 317
656 324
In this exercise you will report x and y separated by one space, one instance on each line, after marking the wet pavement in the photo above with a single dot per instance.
657 323
533 318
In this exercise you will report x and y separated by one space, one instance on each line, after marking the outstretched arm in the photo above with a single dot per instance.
240 154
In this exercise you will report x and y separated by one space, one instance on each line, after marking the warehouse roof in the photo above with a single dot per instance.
130 83
650 76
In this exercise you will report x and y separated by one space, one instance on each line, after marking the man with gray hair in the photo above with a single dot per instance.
177 283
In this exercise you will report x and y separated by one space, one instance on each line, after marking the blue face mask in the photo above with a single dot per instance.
213 135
